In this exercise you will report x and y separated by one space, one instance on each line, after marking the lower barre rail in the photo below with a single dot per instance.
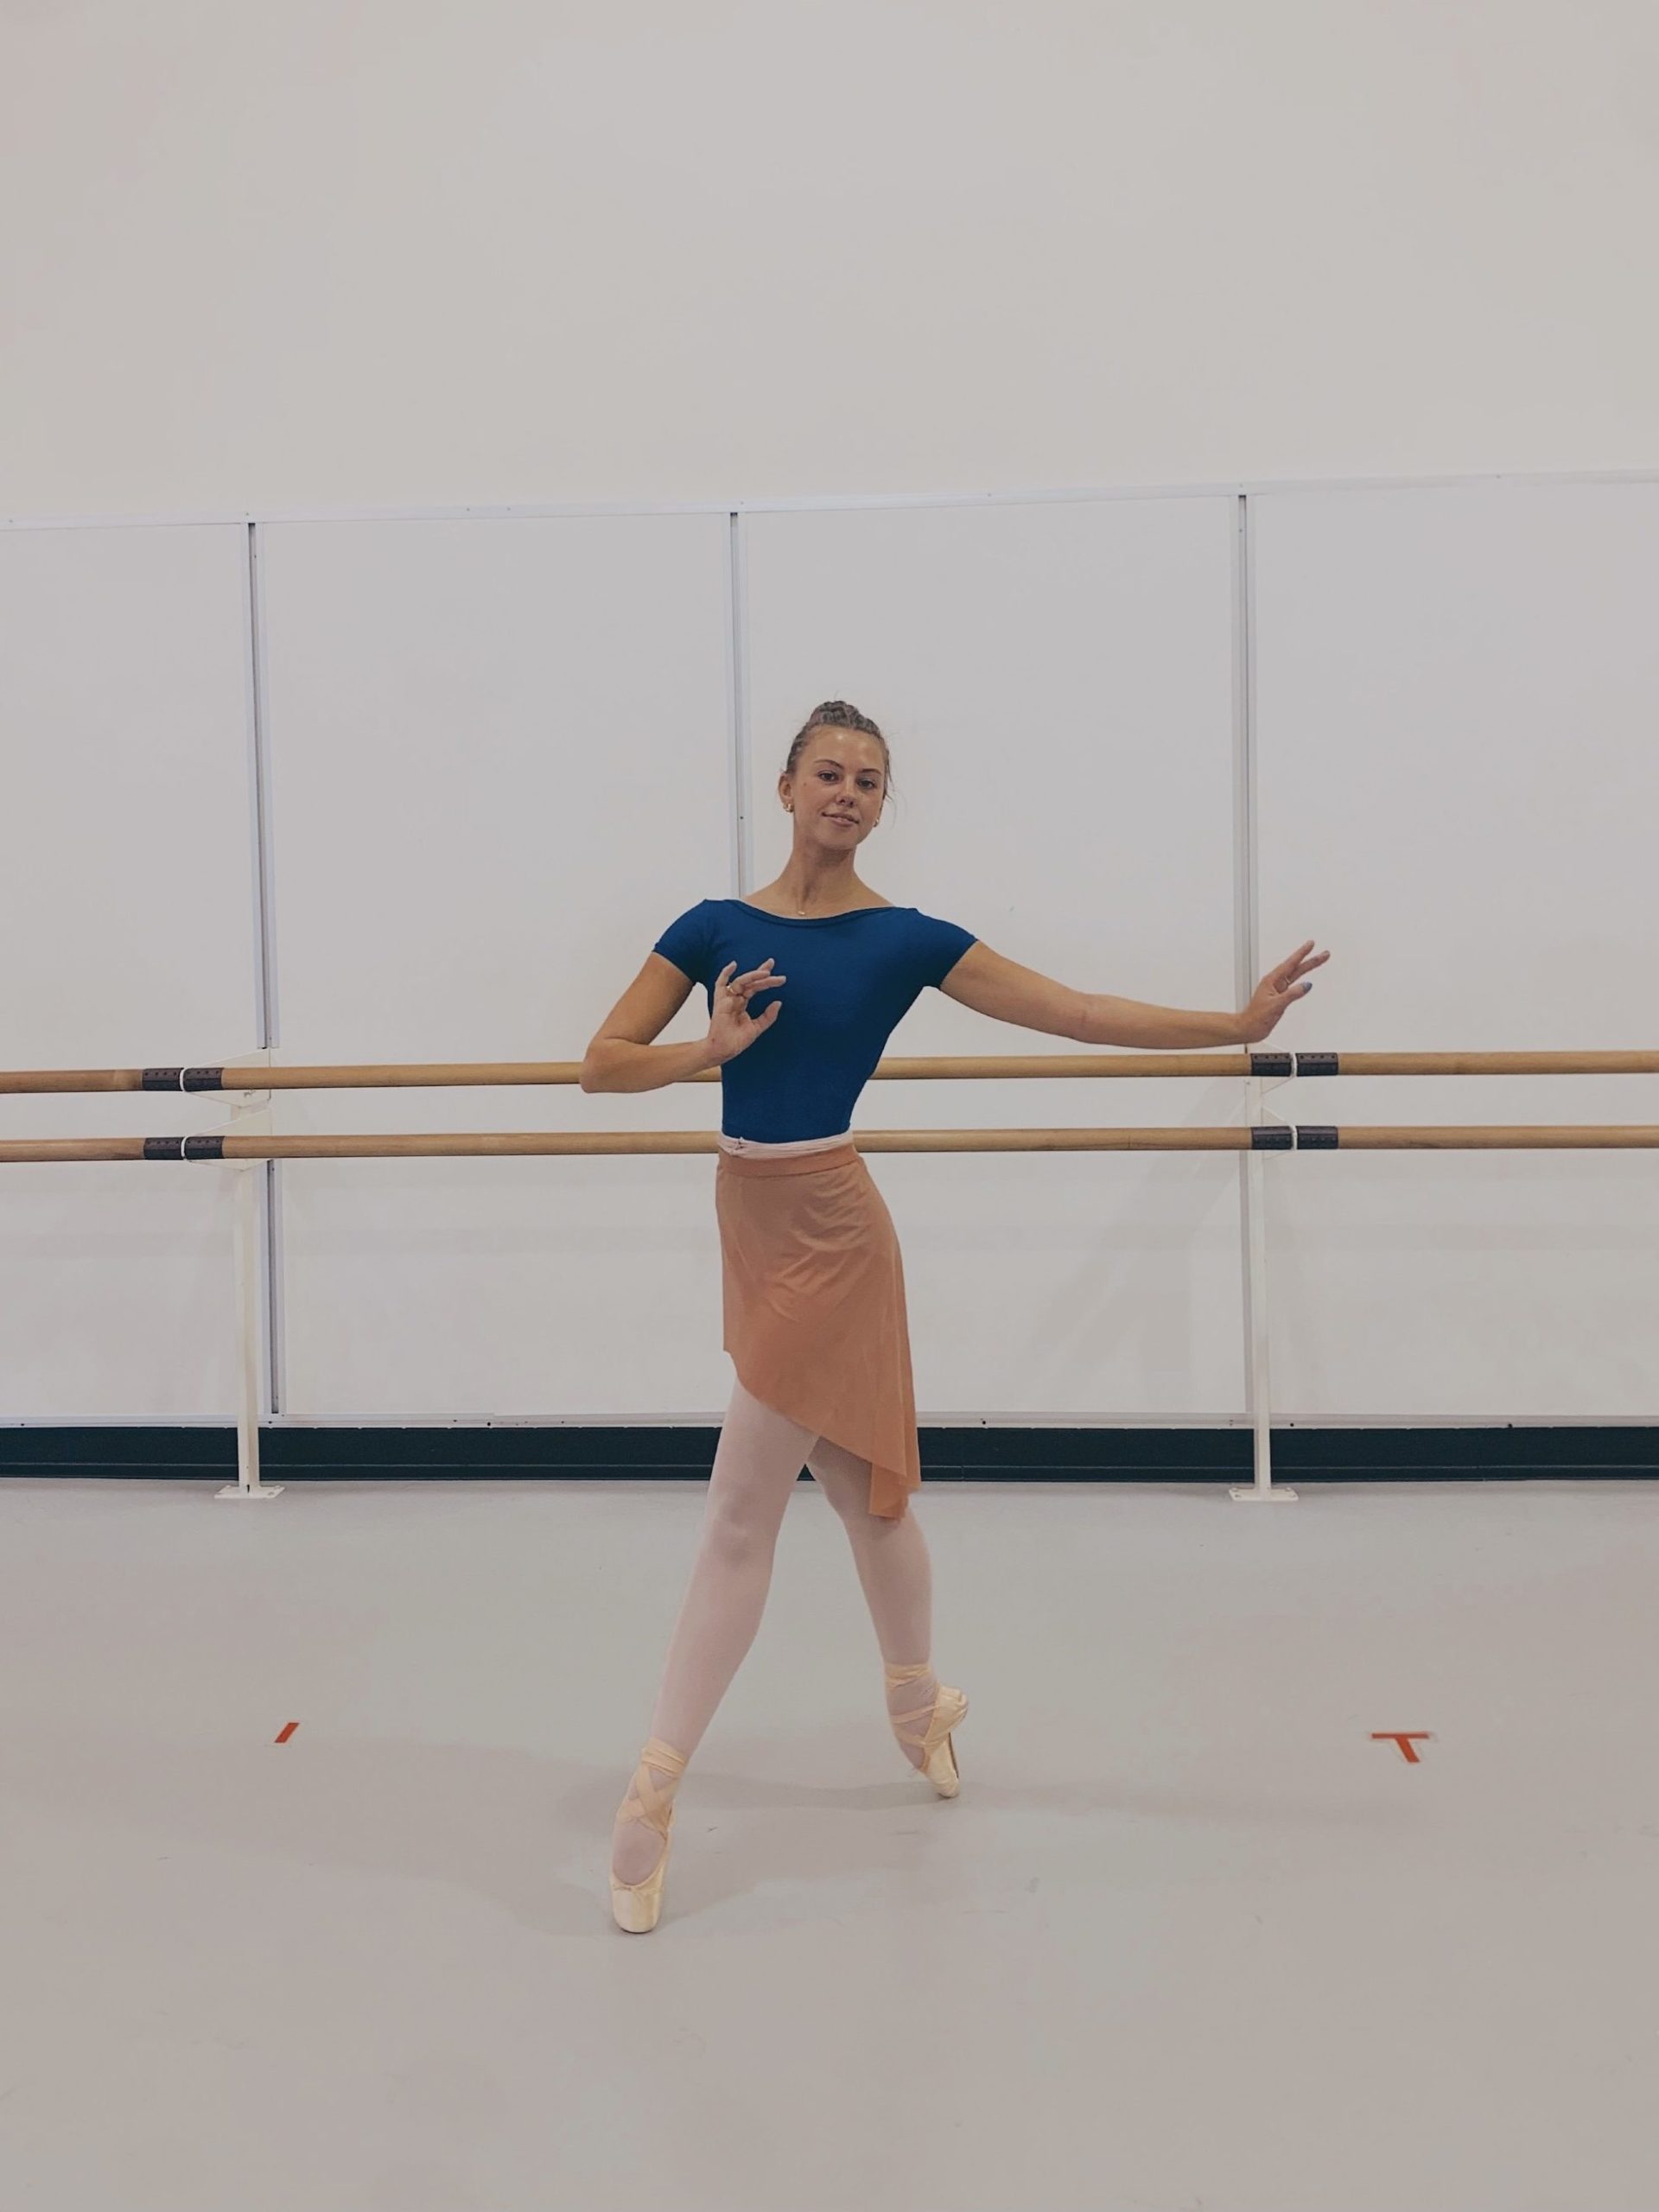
492 1143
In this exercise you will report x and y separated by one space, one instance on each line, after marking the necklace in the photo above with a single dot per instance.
801 914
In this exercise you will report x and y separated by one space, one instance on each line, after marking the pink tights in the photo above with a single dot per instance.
759 1458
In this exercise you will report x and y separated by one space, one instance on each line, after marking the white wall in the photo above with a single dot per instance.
331 253
1457 783
500 753
128 919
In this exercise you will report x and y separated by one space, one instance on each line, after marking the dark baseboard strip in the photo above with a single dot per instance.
622 1453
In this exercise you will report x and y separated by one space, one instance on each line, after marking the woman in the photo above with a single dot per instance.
812 1284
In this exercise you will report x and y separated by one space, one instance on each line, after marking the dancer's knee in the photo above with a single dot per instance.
738 1531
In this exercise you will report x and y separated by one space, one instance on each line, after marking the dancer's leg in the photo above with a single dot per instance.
893 1567
759 1455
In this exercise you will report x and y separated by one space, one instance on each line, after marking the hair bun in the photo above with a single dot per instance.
838 715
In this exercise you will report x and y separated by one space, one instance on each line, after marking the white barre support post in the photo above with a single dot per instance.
1262 1491
250 1116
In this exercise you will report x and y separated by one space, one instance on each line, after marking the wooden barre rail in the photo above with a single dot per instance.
1272 1137
469 1074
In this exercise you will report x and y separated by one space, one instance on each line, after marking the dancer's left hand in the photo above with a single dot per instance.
1277 990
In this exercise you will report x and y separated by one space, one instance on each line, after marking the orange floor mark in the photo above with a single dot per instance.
1404 1738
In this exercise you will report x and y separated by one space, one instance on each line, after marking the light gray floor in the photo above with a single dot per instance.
1189 1940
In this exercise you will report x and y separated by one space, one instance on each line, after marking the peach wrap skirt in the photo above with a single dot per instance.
812 1295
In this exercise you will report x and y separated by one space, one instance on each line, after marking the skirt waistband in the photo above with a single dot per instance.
790 1144
788 1163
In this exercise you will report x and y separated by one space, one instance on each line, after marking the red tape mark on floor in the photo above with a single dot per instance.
1404 1738
288 1732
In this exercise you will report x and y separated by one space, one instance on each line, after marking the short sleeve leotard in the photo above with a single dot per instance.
851 978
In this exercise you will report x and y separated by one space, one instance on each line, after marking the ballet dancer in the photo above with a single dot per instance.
812 1281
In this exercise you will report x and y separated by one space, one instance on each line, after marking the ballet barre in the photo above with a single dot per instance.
463 1144
248 1075
249 1140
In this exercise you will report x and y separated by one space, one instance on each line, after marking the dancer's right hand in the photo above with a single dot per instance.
730 1029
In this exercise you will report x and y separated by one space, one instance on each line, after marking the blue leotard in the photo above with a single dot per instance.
851 978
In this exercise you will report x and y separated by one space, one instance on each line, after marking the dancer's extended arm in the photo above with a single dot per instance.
1000 988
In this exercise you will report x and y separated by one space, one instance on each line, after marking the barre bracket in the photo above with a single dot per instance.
183 1079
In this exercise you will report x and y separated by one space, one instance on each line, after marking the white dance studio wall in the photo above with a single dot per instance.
957 362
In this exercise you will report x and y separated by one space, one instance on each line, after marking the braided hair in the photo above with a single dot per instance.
835 713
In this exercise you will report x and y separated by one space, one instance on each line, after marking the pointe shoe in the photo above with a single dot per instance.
938 1754
635 1906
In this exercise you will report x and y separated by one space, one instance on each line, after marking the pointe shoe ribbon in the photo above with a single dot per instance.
949 1707
635 1906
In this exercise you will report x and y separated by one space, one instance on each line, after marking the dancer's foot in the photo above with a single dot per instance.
924 1730
910 1692
639 1839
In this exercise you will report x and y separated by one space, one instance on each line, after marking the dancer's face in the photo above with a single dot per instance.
840 773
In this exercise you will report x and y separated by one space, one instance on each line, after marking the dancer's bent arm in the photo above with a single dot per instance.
621 1055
